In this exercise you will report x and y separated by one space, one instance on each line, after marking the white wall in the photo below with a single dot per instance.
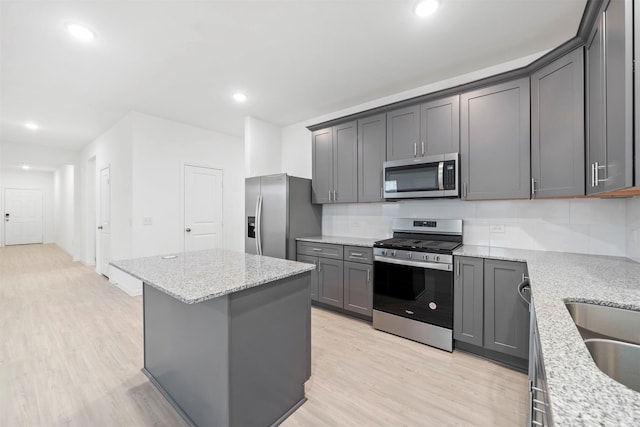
296 150
262 147
33 180
111 149
64 234
160 150
633 228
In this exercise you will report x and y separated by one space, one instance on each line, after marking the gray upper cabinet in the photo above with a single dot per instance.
557 128
495 142
335 164
322 166
610 99
345 162
468 300
440 126
372 134
506 320
636 44
403 133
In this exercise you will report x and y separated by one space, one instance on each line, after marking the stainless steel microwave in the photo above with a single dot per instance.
429 176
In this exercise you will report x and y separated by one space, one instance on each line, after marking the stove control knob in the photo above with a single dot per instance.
426 257
383 252
437 258
393 253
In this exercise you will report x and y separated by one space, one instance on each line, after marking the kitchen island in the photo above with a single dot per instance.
227 335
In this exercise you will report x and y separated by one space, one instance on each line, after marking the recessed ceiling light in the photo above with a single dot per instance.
32 126
80 32
426 7
239 97
26 166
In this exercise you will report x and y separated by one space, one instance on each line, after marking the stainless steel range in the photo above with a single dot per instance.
413 280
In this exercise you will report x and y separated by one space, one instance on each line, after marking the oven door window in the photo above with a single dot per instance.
415 293
401 179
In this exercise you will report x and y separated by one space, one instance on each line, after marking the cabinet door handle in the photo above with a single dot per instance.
458 268
357 254
381 195
335 196
368 275
316 249
415 149
593 174
598 167
329 195
533 187
423 148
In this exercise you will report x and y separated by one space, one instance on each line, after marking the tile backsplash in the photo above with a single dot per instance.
592 226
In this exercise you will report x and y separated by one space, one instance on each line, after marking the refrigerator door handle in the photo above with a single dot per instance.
258 208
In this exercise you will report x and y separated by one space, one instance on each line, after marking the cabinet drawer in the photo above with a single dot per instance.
358 254
324 250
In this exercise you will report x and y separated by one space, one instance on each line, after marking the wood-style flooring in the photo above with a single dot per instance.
71 353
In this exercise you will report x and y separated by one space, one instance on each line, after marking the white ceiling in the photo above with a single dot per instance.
295 59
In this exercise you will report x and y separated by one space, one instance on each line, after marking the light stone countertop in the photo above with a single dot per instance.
193 277
340 240
580 394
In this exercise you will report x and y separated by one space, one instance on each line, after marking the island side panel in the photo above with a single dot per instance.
270 355
186 352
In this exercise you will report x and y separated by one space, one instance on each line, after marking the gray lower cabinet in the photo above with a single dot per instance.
330 281
506 317
609 65
335 164
372 137
358 287
557 128
488 310
468 296
314 274
403 133
495 141
343 277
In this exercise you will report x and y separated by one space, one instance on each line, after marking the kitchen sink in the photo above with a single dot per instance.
599 321
619 360
612 336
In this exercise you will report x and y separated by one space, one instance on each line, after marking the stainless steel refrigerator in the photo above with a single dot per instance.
278 209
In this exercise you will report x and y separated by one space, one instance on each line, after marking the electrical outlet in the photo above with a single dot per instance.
496 228
147 220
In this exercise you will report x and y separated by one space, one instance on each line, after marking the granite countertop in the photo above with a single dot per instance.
580 394
340 240
193 277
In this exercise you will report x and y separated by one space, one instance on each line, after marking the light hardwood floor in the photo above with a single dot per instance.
71 353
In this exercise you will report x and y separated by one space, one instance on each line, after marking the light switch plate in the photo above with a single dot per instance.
147 220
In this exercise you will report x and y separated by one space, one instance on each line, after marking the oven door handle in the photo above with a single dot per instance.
425 265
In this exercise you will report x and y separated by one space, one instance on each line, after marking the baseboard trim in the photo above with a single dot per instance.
125 282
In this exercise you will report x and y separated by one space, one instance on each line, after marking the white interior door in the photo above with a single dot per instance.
23 216
202 208
104 222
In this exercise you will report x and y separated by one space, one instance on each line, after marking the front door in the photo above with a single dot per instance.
23 216
104 222
202 208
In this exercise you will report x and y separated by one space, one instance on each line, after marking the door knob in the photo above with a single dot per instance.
188 230
99 227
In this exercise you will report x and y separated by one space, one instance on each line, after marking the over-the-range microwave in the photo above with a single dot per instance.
429 176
